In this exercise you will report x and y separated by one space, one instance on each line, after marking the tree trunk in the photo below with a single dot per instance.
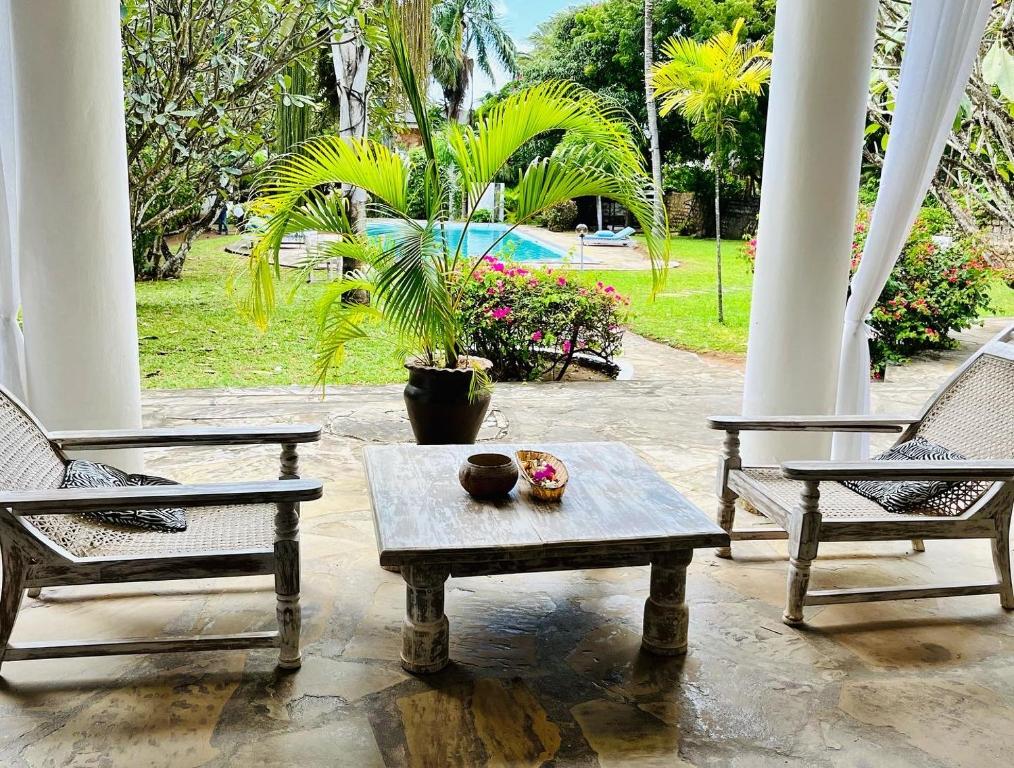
718 223
351 58
649 99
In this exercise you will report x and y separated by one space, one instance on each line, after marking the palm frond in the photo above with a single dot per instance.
552 180
481 153
340 322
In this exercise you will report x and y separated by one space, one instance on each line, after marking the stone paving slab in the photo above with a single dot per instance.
546 666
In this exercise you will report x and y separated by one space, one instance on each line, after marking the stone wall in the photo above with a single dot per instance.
692 214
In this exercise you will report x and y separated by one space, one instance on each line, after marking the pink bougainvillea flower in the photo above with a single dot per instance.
501 312
537 336
544 473
520 271
610 289
561 280
566 347
498 266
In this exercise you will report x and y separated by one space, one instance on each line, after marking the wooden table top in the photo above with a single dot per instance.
614 503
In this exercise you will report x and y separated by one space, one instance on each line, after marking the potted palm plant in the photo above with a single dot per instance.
415 276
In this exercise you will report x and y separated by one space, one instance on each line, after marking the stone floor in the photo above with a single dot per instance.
546 667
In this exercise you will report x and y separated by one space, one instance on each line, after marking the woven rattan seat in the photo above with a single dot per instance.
836 501
209 529
972 415
233 529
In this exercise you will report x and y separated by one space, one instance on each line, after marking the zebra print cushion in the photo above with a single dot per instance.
906 496
91 474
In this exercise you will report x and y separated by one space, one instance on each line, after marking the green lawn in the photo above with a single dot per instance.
685 313
193 336
1003 300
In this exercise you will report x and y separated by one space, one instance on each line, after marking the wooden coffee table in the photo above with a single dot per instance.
617 511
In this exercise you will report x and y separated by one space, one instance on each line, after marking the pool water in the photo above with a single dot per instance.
516 245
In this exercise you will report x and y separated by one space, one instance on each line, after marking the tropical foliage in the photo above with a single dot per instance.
937 287
560 217
531 322
941 284
414 275
705 82
197 123
466 34
601 46
975 181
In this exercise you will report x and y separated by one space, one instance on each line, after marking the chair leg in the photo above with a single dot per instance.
12 590
726 518
918 545
287 585
1001 560
35 592
797 584
726 498
804 539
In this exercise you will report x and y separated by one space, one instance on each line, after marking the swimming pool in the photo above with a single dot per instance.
516 245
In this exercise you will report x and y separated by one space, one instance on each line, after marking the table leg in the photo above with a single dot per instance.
424 645
665 611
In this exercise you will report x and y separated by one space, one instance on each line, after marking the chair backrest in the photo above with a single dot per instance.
28 461
973 413
625 232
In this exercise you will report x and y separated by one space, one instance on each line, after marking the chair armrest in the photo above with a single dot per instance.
899 470
811 423
62 501
185 436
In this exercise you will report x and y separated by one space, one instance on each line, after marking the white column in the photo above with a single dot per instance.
76 266
812 152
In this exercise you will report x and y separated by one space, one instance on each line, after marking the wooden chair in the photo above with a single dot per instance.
234 529
973 414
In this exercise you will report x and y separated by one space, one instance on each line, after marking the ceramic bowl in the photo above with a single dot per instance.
488 475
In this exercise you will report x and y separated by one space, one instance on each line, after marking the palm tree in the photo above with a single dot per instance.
462 28
416 275
704 81
649 100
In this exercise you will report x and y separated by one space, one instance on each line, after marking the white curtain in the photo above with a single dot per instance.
940 49
12 366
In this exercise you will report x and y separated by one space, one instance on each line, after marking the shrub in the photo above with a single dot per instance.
561 217
932 291
530 323
482 216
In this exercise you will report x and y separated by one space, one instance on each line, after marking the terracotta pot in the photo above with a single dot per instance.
438 405
488 475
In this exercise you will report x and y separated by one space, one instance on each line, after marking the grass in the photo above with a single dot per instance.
192 335
1003 299
685 313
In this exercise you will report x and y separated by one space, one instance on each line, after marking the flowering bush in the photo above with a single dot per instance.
531 322
932 290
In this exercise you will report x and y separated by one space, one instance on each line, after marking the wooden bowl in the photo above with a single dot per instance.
528 463
488 475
